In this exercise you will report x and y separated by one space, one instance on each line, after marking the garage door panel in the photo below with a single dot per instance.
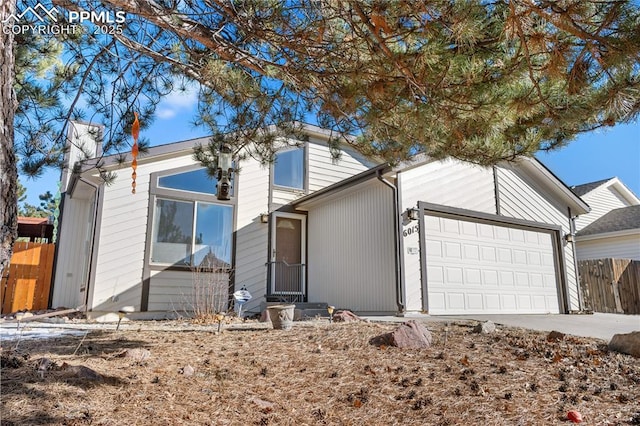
488 268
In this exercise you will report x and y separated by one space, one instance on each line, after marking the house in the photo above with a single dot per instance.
430 236
612 228
34 229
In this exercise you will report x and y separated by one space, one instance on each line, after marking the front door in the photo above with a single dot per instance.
288 255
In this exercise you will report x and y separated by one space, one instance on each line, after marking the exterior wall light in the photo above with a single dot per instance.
264 217
413 214
568 238
225 168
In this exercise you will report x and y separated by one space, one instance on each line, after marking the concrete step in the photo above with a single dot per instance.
304 310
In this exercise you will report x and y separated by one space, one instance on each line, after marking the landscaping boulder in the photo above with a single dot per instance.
486 327
345 316
626 343
81 372
411 334
555 336
137 354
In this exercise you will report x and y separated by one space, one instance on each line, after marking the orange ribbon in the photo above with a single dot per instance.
135 132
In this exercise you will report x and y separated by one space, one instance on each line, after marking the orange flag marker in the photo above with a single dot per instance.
135 132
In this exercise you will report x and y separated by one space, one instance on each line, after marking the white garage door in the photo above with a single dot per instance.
475 268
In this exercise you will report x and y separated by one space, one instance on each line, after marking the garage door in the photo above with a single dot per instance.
475 268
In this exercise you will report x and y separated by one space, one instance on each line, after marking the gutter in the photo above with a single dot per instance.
396 236
572 232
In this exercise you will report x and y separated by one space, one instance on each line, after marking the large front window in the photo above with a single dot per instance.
288 168
192 233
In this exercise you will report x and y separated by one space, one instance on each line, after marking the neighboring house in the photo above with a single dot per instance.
612 228
314 229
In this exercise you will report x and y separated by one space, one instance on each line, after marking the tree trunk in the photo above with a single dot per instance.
8 168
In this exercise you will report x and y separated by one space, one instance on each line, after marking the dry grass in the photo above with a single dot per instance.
320 374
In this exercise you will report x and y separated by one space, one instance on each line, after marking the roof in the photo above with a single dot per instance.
558 187
33 220
585 188
621 219
341 185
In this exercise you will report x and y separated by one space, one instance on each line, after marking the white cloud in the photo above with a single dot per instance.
178 101
165 114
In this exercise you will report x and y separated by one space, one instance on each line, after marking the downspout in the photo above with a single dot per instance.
572 232
396 237
93 234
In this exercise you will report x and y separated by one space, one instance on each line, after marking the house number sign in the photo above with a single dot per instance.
415 229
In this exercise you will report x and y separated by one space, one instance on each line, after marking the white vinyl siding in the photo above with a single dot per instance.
601 200
325 171
173 291
518 198
449 182
123 230
351 250
617 247
73 249
252 235
482 268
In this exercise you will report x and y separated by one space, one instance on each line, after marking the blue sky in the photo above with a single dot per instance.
594 156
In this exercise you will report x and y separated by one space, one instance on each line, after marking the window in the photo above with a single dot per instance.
288 169
193 181
192 233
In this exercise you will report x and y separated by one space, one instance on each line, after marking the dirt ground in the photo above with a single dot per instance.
317 373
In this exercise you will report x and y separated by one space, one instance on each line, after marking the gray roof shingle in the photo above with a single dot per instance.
580 190
616 220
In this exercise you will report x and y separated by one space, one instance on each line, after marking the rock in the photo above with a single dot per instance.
264 406
486 327
23 315
345 316
81 372
188 370
626 343
555 336
137 354
411 334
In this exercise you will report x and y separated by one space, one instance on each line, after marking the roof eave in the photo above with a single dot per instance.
553 182
621 233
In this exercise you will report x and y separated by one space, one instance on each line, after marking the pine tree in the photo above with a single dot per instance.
8 171
477 80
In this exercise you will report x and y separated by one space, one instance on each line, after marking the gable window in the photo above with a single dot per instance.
190 228
289 168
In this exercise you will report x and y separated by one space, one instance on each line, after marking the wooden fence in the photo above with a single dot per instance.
27 281
611 285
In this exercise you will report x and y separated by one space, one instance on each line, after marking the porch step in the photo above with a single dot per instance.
304 310
311 310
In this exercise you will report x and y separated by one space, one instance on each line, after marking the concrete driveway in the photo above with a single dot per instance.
598 325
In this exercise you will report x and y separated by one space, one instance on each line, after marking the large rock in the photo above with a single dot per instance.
486 327
345 316
411 334
626 343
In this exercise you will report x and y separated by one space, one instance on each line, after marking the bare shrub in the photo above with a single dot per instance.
210 293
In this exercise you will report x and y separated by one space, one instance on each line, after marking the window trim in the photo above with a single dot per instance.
305 172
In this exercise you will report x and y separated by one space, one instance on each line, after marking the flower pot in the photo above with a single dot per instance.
281 316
